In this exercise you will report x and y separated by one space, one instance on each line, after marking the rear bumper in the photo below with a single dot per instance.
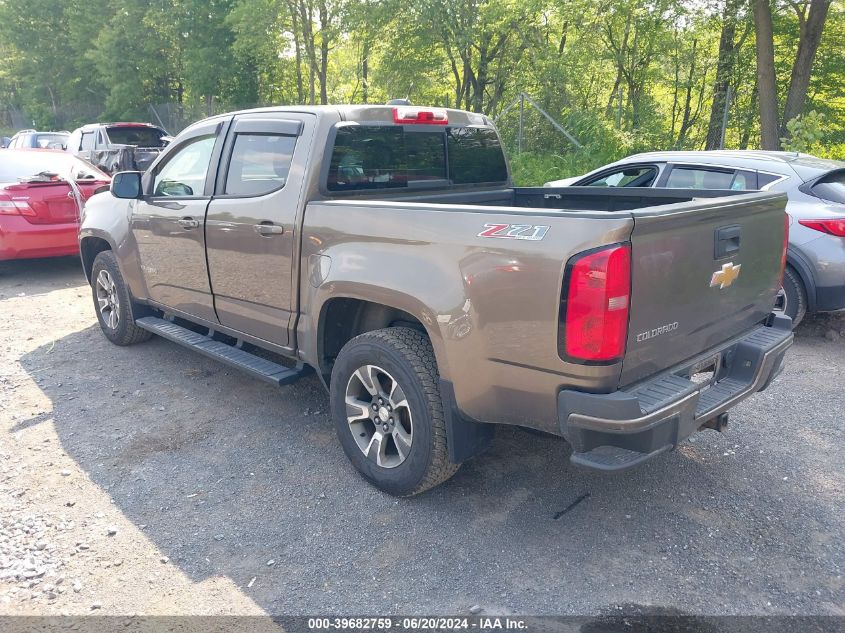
616 431
21 240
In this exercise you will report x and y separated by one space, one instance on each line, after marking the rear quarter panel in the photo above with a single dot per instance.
490 306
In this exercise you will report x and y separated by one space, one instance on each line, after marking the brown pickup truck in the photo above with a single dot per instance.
385 249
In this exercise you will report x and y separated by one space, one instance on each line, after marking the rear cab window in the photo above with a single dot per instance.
373 157
137 135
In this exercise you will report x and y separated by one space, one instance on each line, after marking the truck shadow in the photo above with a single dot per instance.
224 473
51 271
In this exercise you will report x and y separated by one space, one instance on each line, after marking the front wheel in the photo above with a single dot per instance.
113 302
386 406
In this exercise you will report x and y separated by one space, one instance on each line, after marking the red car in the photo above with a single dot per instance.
41 198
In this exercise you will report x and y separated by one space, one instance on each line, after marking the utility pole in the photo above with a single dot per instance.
521 122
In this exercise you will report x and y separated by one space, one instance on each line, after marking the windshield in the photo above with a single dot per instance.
15 165
367 157
137 135
51 141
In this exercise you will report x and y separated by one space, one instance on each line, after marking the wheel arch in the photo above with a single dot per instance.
800 265
343 317
91 245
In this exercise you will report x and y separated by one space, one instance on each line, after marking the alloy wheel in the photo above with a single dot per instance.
780 301
107 299
379 416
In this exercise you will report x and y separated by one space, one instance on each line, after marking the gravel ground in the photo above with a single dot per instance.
150 480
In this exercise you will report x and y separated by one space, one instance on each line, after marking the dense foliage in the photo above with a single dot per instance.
619 75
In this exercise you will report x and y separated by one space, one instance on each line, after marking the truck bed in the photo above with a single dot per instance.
511 296
563 198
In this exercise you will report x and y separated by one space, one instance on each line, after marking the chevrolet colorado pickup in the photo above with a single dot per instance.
386 250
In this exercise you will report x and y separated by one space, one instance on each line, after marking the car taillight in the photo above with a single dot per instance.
410 114
832 226
15 207
785 248
595 304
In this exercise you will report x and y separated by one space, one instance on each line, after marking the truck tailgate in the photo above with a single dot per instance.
700 275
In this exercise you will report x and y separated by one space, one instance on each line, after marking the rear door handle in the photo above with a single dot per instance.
188 223
268 229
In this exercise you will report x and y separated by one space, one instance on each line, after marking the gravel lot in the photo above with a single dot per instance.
151 480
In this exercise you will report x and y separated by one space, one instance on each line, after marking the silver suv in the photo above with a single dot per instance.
32 139
814 279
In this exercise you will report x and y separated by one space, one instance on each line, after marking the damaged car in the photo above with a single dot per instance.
115 147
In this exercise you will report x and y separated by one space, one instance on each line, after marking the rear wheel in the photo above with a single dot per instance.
792 298
113 302
387 410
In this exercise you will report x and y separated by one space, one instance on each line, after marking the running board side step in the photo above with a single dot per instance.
228 354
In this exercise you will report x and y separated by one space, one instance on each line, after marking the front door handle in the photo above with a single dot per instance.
268 229
188 223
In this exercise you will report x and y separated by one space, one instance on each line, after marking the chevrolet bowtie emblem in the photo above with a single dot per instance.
725 277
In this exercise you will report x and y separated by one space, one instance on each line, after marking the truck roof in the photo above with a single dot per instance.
91 126
369 113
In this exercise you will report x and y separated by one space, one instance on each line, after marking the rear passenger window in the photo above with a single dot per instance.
628 177
698 178
763 180
260 164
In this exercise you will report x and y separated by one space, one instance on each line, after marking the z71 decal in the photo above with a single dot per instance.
515 231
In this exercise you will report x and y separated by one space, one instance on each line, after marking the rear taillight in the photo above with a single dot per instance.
594 306
832 226
15 207
786 220
410 114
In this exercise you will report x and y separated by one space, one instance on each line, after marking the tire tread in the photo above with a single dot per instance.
791 277
130 333
416 349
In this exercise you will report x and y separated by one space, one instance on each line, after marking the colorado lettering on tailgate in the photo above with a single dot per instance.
663 329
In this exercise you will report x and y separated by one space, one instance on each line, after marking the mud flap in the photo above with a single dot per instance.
465 437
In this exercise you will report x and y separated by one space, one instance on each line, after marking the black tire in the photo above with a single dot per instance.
406 356
125 332
794 296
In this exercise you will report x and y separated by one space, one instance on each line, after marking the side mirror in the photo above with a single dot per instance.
126 185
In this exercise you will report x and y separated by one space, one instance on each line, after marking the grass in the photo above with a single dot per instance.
532 169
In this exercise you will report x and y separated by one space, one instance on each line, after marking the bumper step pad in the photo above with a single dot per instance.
233 356
613 458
